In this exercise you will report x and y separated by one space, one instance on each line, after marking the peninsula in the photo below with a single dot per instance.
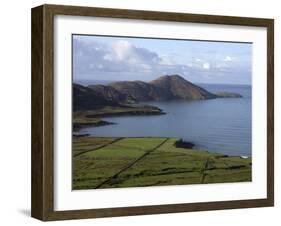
94 102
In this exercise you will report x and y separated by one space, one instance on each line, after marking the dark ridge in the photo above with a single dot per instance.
85 98
167 87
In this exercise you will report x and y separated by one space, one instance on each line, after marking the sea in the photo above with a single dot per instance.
222 125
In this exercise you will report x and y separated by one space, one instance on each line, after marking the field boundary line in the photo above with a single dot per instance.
102 146
132 163
204 169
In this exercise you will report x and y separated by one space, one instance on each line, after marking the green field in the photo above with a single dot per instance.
136 162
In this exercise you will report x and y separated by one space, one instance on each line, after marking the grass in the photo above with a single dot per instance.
85 144
136 162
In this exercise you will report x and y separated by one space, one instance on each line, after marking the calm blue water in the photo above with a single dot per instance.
219 125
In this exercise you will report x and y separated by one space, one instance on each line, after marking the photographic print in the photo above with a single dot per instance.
148 112
152 112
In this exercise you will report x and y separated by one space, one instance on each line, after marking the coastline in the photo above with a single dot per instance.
94 118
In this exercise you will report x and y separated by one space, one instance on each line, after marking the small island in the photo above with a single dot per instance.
228 95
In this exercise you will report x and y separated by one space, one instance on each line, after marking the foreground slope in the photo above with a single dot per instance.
135 162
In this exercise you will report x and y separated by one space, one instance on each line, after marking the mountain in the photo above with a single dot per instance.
166 87
176 87
139 91
111 94
85 98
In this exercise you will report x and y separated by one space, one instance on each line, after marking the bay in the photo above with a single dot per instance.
218 125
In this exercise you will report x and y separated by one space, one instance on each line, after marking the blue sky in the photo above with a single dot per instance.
118 58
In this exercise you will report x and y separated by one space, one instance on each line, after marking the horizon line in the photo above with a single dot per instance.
104 80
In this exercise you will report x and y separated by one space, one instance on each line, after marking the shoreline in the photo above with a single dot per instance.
157 137
99 116
78 126
94 118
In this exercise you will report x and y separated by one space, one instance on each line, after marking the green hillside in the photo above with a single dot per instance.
135 162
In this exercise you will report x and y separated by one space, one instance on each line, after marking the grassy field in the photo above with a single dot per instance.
136 162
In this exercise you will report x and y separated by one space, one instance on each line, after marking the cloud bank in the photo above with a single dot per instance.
121 59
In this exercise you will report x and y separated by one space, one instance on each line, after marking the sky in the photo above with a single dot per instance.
125 59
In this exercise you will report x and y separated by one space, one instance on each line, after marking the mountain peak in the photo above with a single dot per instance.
166 87
169 77
176 76
179 88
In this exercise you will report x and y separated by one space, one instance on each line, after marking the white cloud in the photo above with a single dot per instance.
166 60
120 51
228 58
115 57
206 66
120 59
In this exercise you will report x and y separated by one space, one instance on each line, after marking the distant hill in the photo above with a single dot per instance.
139 91
85 98
176 87
168 87
111 94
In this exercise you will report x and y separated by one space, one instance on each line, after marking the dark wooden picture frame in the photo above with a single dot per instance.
43 112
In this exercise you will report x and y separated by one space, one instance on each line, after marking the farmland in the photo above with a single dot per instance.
100 162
